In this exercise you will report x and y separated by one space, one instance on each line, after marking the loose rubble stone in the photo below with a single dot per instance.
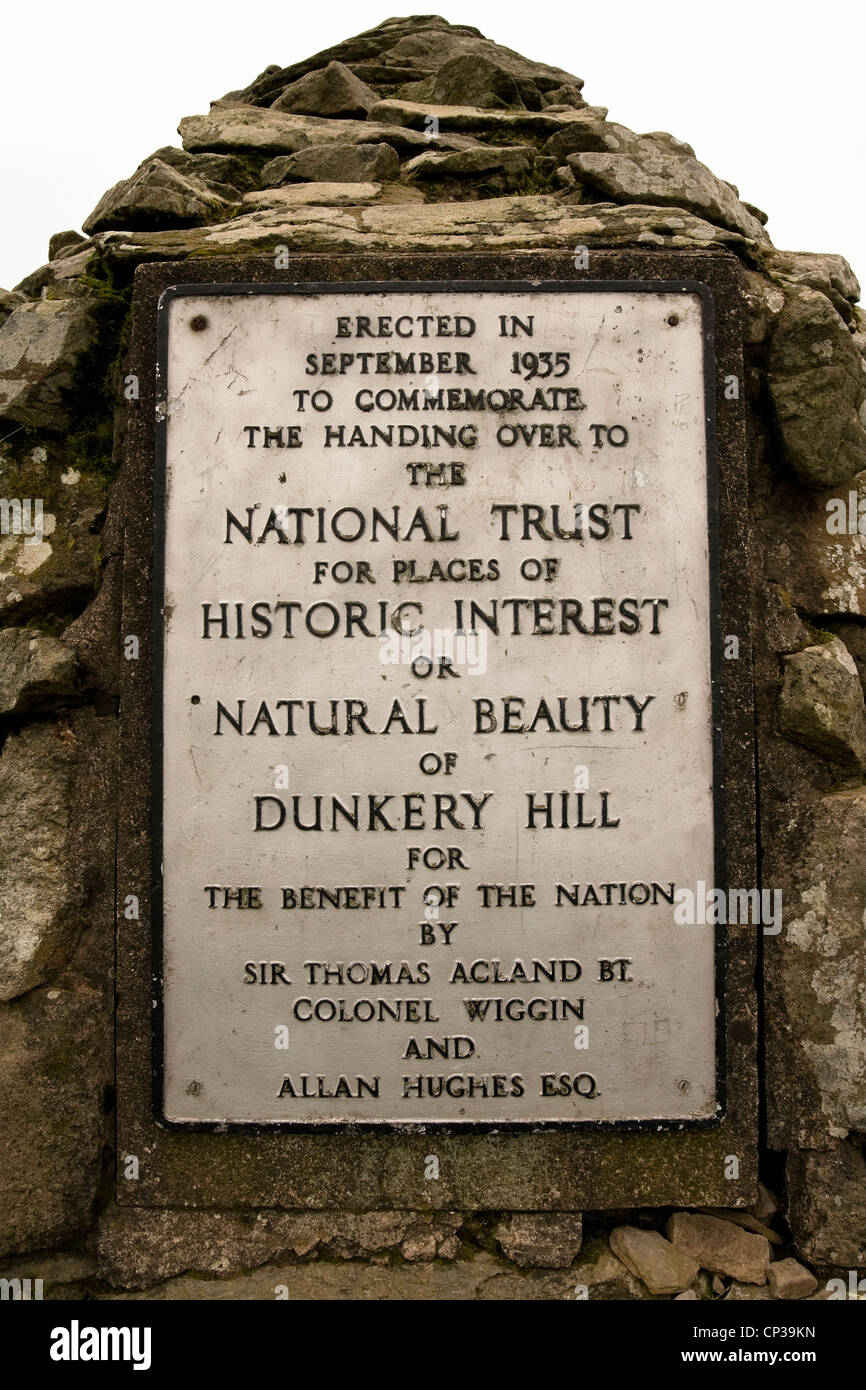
415 115
653 174
281 132
36 671
821 704
512 162
40 346
335 163
167 192
653 1259
549 1240
322 195
789 1279
746 1220
831 275
9 300
818 389
330 91
63 241
720 1247
470 79
766 1204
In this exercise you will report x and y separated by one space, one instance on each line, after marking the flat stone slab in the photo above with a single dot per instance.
654 1261
721 1247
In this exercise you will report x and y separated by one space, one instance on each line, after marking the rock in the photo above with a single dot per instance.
36 671
54 1064
826 1207
39 906
747 1293
470 79
335 163
789 1279
330 91
653 1259
818 558
508 223
511 162
40 347
664 177
587 135
686 1295
9 301
720 1247
821 704
830 275
816 1034
783 630
63 241
744 1219
718 1286
547 1240
414 115
321 195
766 1204
281 132
65 1274
138 1246
818 389
159 194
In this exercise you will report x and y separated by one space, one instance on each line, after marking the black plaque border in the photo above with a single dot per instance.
521 1169
614 287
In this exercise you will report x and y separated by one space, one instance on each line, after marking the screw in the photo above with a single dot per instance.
198 324
195 699
672 319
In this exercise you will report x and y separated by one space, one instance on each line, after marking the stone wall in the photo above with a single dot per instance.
414 137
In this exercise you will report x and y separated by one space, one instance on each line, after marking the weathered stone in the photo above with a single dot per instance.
415 115
821 704
789 1279
746 1220
764 303
509 162
46 577
63 241
816 1042
766 1204
160 195
747 1293
335 163
39 906
54 1047
137 1246
281 132
720 1247
36 671
653 1259
333 195
482 1279
470 79
587 135
819 556
665 177
547 1240
826 1205
818 388
9 301
831 275
503 224
40 346
64 1274
330 91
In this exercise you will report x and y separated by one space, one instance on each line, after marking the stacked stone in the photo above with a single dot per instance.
416 136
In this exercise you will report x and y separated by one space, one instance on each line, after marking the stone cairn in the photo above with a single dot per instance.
418 136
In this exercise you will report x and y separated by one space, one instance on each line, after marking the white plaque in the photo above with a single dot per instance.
436 766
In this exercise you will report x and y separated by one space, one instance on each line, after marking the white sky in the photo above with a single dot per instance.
769 92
